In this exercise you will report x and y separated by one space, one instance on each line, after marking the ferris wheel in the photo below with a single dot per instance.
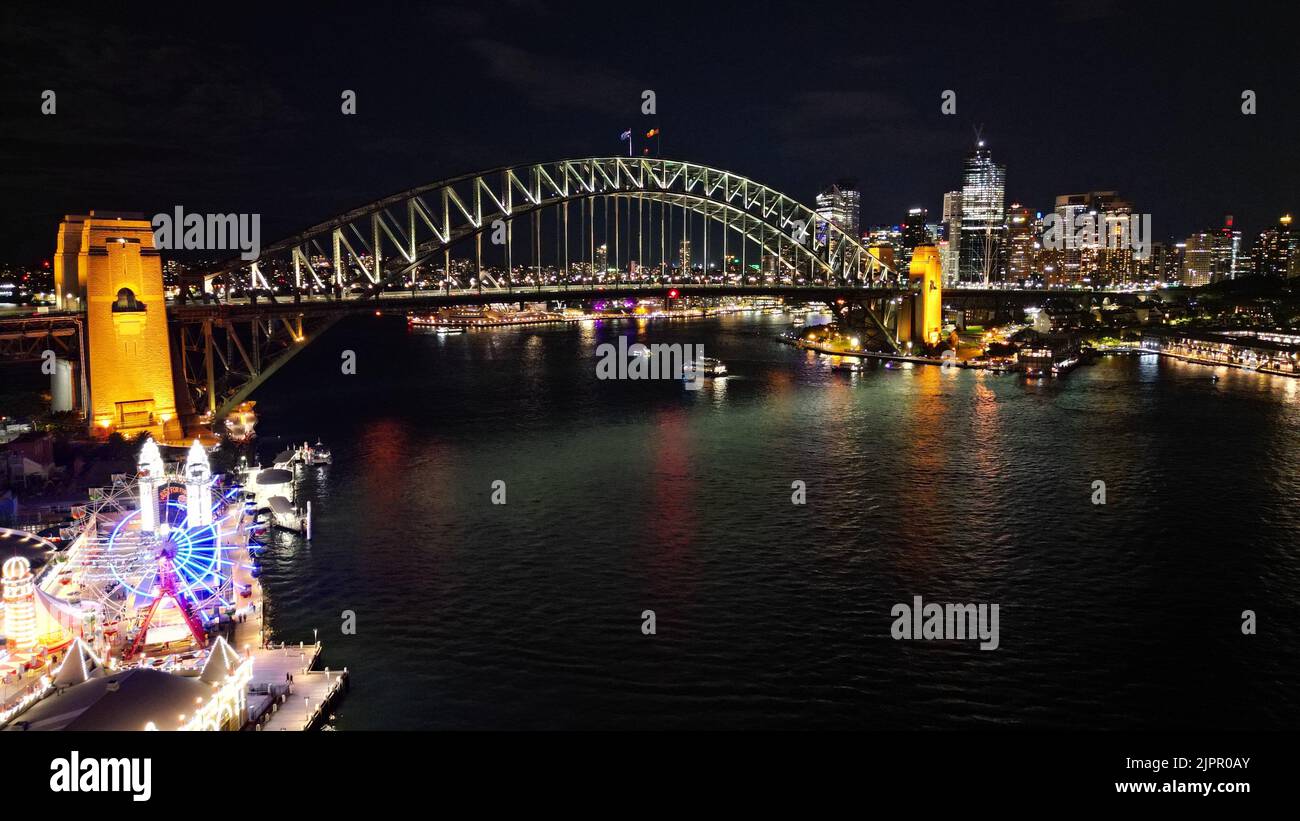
128 564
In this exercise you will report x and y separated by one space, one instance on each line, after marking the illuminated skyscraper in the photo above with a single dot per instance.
1097 240
1198 259
1227 251
915 233
983 219
1277 251
952 236
1022 244
839 205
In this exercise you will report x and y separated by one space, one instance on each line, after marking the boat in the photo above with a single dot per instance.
241 421
286 516
433 322
849 367
705 366
317 454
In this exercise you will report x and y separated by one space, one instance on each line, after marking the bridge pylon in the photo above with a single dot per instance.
107 265
921 319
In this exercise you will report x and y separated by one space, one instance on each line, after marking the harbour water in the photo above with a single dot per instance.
625 496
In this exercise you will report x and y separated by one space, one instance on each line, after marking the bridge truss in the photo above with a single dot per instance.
652 204
564 230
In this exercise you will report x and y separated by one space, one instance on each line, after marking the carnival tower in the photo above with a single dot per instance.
150 476
198 487
20 604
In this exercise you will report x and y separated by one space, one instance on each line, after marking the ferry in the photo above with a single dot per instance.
849 367
434 323
707 366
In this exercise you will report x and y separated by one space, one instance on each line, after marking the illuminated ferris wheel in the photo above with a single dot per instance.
154 537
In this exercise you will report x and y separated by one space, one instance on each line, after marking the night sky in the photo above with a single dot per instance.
228 108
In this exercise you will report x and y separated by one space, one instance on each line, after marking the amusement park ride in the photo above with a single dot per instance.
151 559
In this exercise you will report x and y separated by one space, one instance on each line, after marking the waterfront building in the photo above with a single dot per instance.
87 695
1269 352
983 219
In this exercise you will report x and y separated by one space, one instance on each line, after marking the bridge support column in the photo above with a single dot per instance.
924 310
130 366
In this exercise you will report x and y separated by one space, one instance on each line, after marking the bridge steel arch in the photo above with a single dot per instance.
244 326
380 245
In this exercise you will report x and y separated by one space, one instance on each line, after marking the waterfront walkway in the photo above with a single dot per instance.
285 693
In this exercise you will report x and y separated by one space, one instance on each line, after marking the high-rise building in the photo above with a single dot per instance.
1160 265
1227 251
1198 259
915 233
983 220
1277 251
952 236
1022 245
838 205
885 243
1098 246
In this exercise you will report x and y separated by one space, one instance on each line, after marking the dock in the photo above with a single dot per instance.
285 693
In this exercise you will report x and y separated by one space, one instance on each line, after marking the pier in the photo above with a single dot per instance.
285 693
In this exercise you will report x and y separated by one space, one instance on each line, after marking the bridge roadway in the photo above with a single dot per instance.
415 300
430 298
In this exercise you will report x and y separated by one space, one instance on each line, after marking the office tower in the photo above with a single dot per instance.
1115 261
1227 251
1198 259
1277 251
838 205
1022 244
914 232
1098 243
983 221
952 235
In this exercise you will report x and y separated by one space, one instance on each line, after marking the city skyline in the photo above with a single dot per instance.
286 151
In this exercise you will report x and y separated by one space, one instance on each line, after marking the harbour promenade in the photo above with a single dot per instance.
285 693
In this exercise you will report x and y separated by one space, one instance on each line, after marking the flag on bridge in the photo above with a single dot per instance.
627 135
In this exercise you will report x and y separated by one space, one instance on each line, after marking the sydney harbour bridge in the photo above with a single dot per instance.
569 230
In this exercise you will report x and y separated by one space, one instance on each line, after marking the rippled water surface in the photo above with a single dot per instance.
625 496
